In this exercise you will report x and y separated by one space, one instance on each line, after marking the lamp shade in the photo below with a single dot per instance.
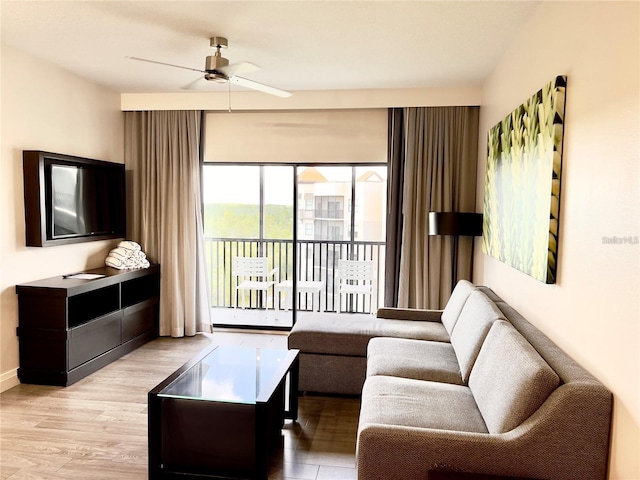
455 223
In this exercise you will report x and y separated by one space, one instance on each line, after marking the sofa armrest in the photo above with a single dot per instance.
399 452
391 313
394 452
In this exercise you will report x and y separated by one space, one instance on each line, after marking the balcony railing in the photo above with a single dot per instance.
317 260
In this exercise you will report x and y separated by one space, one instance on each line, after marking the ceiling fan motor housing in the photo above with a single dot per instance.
213 65
215 62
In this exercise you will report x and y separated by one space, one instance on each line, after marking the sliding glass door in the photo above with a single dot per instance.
340 216
303 219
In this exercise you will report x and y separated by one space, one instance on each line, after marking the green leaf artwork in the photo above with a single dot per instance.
522 184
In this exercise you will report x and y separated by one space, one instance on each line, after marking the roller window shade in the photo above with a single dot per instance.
327 136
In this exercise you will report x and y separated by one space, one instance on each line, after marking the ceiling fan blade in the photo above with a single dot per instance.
192 85
241 68
244 82
165 64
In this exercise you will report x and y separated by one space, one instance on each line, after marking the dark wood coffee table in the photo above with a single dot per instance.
221 414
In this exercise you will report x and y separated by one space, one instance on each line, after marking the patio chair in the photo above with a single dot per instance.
357 277
252 273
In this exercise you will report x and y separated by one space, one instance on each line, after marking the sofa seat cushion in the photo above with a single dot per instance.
509 380
417 359
472 327
414 403
348 334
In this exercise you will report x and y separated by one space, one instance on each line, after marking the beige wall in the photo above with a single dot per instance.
45 108
593 310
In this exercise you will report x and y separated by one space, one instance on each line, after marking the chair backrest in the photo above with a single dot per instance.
250 266
356 271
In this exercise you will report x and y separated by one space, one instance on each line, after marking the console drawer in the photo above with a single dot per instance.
94 338
139 319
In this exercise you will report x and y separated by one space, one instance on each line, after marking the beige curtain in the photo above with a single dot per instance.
162 153
441 152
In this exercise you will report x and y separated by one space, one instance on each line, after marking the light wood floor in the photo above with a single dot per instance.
97 428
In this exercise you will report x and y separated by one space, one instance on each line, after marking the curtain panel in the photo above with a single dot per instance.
162 154
395 161
437 157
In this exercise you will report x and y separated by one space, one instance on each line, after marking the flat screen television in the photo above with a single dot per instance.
72 199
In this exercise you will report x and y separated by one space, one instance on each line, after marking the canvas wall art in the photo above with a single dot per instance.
522 184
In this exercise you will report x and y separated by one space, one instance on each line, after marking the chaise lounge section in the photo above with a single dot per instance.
333 348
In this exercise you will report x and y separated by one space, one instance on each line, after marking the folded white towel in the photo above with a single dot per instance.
122 257
130 245
144 264
122 253
115 262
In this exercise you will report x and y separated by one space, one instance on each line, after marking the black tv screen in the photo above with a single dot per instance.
72 199
85 200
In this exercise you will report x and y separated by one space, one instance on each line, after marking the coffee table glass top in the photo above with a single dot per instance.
233 375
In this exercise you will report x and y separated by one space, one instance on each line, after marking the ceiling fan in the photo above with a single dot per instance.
217 69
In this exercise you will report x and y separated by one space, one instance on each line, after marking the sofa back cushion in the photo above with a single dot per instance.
452 310
476 318
509 380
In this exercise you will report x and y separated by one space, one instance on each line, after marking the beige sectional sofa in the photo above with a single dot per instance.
474 391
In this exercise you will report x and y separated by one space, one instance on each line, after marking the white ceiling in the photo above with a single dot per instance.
300 45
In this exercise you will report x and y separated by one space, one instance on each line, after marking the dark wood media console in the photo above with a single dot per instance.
68 328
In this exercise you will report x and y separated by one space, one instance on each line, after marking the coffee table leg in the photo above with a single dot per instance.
154 439
292 413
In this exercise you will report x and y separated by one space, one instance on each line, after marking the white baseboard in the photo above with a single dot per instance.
9 380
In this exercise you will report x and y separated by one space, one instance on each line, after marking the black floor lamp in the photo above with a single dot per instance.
455 224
